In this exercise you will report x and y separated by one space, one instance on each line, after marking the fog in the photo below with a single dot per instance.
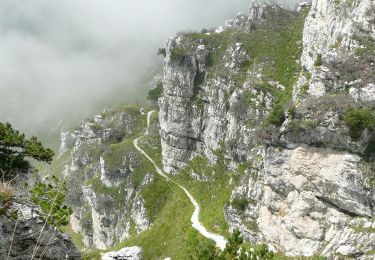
62 60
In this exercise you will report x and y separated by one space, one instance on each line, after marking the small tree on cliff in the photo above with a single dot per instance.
15 149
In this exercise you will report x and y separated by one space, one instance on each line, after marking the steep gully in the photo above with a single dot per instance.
219 240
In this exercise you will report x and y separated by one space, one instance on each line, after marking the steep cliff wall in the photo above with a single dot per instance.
106 177
219 86
293 101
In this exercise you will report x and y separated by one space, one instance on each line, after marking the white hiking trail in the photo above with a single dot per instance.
219 240
149 114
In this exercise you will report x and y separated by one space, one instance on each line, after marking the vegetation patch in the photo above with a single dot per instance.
246 100
50 197
180 54
16 149
301 125
76 237
359 119
113 158
217 181
318 61
168 236
252 225
276 42
361 229
155 93
168 208
367 46
6 197
240 203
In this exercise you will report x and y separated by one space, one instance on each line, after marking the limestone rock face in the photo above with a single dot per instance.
103 191
67 141
308 190
308 200
127 253
331 28
340 34
245 20
201 108
22 238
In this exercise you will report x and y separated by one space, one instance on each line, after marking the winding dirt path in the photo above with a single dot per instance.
219 240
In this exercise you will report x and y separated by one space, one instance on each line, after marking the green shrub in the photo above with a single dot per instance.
16 149
292 111
240 203
304 88
318 60
368 172
236 250
233 245
252 225
161 51
277 115
367 46
200 247
155 93
95 127
307 75
358 120
178 53
50 196
301 124
257 252
92 255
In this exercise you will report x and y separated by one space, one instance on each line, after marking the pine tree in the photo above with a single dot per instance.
15 149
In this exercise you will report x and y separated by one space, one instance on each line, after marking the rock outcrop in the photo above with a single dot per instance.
28 235
286 99
106 176
308 185
206 102
307 201
126 253
338 48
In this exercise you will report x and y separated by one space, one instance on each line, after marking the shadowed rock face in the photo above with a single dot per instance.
308 189
52 243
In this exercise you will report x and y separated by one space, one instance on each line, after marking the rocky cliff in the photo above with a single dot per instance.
106 177
218 86
24 234
268 121
288 97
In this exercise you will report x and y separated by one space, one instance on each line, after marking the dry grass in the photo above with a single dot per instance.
7 193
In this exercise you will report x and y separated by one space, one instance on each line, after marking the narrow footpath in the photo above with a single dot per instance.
219 240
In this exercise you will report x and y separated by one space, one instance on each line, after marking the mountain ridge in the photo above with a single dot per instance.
266 120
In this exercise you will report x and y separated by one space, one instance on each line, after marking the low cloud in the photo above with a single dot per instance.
62 60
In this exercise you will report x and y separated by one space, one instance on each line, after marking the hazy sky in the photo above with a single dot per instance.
60 59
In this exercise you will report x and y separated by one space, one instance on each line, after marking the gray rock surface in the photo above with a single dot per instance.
335 31
201 108
52 244
126 253
306 201
106 200
307 190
